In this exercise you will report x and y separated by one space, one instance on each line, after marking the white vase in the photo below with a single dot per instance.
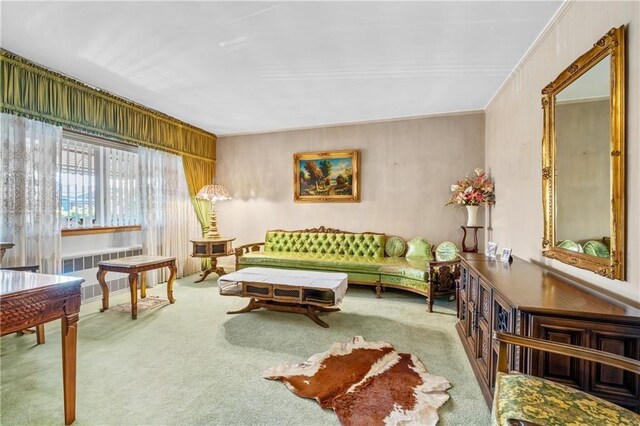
472 215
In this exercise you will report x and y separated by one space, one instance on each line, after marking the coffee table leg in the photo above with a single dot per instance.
133 286
69 344
311 313
172 278
253 305
105 289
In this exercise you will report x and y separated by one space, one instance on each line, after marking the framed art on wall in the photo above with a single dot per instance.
331 176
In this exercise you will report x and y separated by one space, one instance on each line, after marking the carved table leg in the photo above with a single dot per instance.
213 269
69 342
253 305
172 278
40 334
143 285
311 313
105 289
133 287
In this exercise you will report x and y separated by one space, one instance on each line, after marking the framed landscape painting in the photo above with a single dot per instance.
331 176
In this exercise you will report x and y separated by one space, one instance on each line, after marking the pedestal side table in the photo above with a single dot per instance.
212 248
474 247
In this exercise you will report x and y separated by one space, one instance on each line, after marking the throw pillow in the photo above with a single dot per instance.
419 248
395 247
446 251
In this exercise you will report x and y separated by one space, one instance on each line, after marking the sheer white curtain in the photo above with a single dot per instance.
29 159
167 216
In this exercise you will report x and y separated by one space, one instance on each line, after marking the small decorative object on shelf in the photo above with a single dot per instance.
492 249
506 255
473 192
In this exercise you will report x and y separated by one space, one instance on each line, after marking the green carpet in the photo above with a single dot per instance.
191 364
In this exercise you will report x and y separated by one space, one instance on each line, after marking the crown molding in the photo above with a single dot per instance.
562 10
353 123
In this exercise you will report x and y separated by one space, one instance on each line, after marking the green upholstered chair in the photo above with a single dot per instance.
524 400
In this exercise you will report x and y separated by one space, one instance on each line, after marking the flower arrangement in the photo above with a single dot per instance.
473 190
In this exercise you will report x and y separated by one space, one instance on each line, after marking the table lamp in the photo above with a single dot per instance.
213 192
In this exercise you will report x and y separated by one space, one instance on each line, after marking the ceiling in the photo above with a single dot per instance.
240 67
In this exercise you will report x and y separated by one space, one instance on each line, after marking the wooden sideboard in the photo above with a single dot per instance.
525 299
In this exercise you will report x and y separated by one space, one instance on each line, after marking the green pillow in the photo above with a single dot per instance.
419 248
446 251
570 245
395 247
596 248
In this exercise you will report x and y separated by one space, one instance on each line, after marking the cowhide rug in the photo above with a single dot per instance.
367 383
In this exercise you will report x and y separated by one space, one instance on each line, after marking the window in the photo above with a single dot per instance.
98 184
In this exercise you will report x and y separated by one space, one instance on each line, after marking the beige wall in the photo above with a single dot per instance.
514 132
407 168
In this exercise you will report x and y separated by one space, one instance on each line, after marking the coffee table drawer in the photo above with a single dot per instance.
257 290
287 293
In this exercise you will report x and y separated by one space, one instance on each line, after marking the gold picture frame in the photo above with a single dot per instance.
326 176
612 44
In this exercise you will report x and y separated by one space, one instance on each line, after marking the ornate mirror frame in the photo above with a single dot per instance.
613 44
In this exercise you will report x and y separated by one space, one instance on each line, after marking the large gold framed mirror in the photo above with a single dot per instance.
583 183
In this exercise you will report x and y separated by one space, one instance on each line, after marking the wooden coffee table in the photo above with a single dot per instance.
133 266
301 292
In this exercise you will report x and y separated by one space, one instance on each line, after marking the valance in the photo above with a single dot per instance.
35 92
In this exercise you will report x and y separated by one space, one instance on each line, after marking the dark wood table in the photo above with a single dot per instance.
474 247
28 300
133 266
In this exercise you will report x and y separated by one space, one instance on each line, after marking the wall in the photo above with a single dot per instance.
514 134
407 168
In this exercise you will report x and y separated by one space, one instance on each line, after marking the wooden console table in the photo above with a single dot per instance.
133 266
527 300
28 300
213 248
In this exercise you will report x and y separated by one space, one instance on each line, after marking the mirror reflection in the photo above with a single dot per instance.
582 136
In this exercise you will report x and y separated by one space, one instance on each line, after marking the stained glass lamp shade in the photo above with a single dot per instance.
213 192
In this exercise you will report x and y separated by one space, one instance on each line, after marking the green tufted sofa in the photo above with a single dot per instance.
360 255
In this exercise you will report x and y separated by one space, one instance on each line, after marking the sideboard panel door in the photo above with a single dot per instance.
528 300
559 368
614 383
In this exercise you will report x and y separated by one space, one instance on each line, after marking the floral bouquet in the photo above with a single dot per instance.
473 190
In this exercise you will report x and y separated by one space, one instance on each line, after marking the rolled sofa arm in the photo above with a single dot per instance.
239 251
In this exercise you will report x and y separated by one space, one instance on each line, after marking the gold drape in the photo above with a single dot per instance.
38 93
199 173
